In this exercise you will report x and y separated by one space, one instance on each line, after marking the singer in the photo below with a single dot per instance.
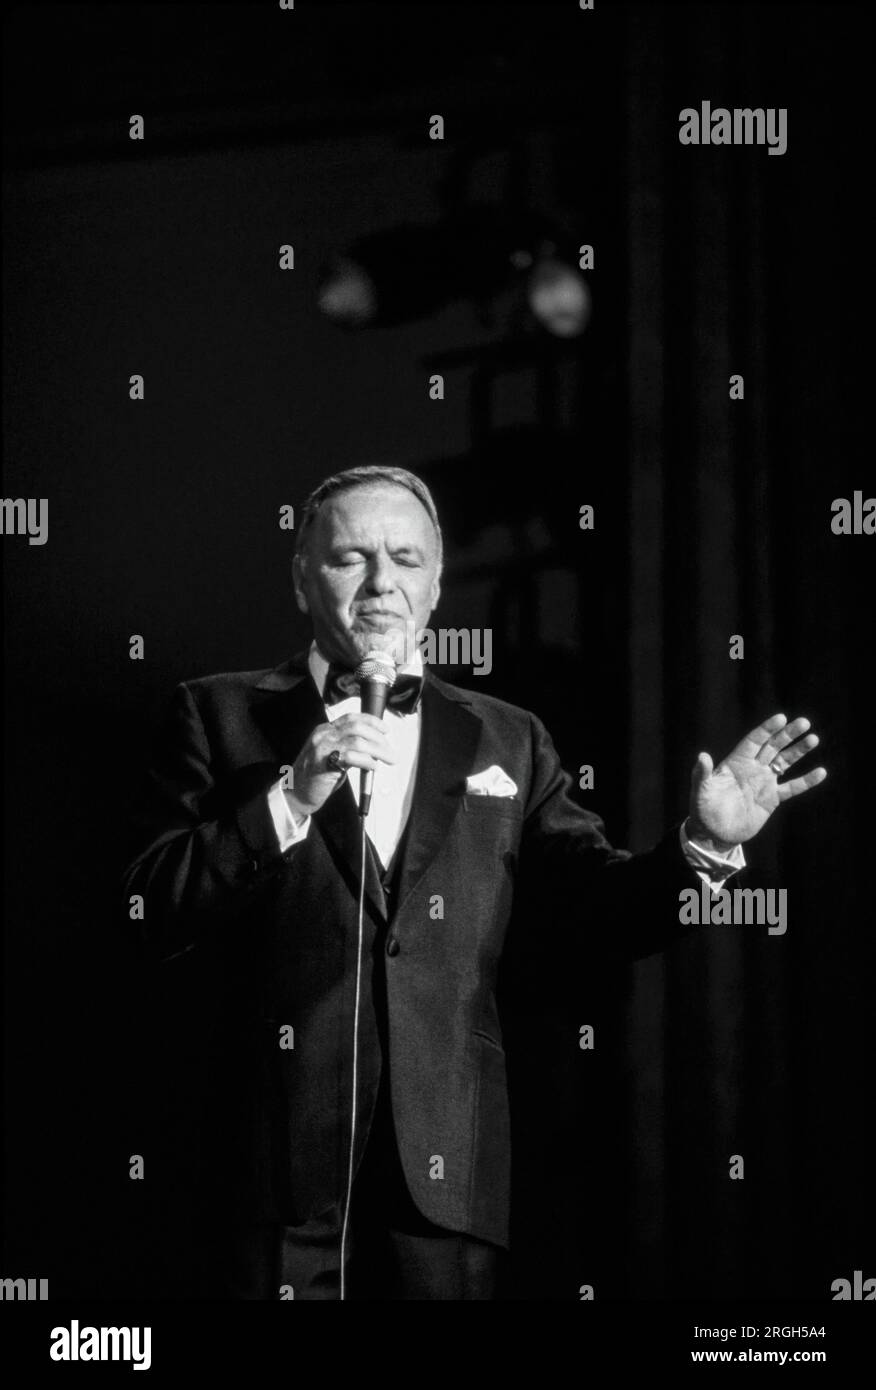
364 1131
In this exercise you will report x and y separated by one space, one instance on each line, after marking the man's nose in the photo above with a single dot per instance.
381 576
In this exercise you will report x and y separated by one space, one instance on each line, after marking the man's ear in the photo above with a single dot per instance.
298 582
435 593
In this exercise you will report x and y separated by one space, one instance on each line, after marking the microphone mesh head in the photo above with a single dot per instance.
376 666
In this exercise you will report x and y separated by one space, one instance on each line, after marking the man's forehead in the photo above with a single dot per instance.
374 508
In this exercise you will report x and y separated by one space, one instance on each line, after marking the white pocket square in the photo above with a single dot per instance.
492 782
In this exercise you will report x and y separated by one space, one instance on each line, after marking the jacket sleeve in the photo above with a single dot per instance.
204 851
629 902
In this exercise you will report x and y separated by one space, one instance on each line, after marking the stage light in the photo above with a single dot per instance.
410 271
348 294
559 297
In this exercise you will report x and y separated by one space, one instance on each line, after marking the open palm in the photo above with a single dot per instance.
730 803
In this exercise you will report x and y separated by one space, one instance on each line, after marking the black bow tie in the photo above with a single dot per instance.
403 698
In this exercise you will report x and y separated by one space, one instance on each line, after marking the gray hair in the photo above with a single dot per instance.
372 473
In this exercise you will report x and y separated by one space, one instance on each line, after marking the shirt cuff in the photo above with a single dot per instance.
289 827
712 868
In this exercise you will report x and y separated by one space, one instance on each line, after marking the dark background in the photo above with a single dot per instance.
712 518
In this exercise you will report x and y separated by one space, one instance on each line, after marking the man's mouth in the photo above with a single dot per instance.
379 615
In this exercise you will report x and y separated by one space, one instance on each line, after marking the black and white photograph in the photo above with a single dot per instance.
438 527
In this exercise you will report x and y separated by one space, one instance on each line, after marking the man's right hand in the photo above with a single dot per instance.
361 741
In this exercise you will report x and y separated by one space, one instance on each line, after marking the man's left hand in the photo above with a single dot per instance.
730 803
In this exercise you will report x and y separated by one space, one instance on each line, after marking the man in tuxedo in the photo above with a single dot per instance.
365 1126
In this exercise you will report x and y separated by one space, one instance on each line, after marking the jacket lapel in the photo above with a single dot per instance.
448 741
288 708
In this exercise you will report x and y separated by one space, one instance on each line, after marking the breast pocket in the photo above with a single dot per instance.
487 807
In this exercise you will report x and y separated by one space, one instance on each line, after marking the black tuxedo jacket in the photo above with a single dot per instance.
483 881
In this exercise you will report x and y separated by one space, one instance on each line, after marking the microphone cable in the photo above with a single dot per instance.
354 1114
374 674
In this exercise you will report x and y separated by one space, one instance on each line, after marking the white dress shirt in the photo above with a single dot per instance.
393 782
394 788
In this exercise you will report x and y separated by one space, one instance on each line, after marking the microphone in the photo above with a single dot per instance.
376 675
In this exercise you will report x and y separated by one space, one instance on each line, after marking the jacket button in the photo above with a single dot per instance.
392 946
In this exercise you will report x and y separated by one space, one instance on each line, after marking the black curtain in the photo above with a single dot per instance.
739 1043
